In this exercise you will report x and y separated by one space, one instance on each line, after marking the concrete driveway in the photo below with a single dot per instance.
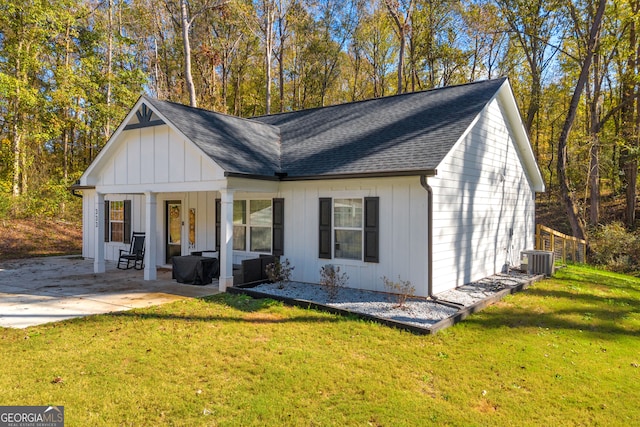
43 290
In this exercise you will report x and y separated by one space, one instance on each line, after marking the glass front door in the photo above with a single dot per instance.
174 229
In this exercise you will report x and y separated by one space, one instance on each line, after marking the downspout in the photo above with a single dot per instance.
426 186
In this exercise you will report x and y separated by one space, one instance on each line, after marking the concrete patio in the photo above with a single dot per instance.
42 290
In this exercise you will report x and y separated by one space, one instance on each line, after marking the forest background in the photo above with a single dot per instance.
71 70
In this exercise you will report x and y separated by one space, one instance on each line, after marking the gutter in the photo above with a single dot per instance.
75 187
284 176
426 186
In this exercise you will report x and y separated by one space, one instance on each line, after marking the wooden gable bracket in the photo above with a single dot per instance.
144 118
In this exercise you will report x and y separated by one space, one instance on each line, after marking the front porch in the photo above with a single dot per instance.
181 223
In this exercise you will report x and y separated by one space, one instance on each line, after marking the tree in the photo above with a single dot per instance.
184 19
401 12
570 206
533 23
25 35
631 113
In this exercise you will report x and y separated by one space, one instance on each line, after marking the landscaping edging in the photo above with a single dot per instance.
461 314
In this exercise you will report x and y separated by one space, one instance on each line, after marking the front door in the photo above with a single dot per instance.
173 216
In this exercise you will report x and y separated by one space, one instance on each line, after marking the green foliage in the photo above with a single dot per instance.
61 96
615 248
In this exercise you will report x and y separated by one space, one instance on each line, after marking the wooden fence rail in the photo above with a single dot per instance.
566 248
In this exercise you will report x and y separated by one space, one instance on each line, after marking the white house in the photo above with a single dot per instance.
436 187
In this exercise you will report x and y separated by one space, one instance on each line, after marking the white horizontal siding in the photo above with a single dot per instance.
481 196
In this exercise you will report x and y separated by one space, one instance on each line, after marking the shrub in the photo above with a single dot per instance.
401 290
279 273
332 280
615 248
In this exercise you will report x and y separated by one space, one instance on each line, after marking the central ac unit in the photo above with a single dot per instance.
537 262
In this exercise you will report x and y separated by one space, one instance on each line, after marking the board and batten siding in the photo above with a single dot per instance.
484 205
402 228
155 156
160 160
203 202
112 249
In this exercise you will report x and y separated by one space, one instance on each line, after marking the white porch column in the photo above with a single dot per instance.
226 237
98 257
150 251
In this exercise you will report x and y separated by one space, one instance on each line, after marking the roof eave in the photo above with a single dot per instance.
355 175
360 175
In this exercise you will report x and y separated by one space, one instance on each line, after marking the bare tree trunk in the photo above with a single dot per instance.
594 181
630 154
403 41
267 28
594 131
565 191
627 158
402 25
186 24
16 135
107 129
17 150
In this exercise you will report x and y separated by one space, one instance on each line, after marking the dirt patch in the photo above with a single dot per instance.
28 238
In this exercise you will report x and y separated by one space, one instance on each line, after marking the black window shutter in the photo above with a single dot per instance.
106 221
325 228
218 207
127 221
371 229
278 227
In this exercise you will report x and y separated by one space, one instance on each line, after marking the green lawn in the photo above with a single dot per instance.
565 352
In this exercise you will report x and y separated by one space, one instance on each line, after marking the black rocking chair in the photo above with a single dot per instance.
135 254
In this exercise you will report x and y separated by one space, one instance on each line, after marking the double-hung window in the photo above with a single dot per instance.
252 225
117 221
347 220
349 229
258 225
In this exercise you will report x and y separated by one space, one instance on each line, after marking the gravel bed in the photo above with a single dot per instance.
416 311
472 293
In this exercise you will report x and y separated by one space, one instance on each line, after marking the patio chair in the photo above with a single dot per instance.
135 254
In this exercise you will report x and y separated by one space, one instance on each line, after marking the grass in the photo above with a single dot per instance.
565 352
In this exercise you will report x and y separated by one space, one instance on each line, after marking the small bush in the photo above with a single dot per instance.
279 273
332 280
615 248
401 290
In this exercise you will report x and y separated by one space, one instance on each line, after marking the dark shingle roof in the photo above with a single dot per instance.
402 133
237 145
406 132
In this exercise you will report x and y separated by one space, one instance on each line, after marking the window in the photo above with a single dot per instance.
260 223
240 225
263 224
252 226
347 215
117 221
349 228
